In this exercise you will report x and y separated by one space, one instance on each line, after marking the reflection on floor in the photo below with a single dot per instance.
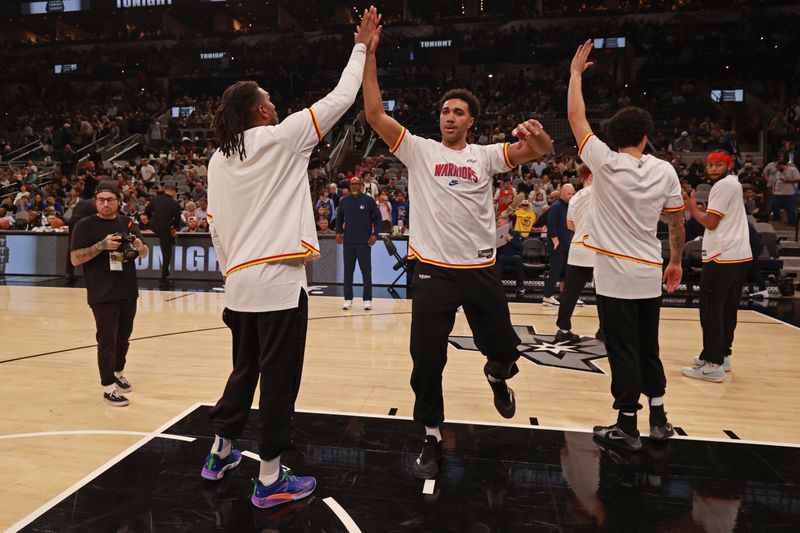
493 479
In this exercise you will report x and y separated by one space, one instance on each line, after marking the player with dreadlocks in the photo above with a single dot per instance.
263 230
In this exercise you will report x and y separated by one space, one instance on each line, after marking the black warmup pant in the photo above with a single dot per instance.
575 279
438 292
720 292
631 330
558 262
166 241
114 321
514 261
270 345
362 253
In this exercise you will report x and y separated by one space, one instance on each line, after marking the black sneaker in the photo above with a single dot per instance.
426 466
504 400
115 398
616 436
600 336
566 336
123 385
661 432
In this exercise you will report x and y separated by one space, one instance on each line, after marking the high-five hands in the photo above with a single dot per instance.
531 132
579 62
368 27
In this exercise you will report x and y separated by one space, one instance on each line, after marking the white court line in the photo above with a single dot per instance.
428 487
773 319
99 470
251 455
342 514
94 432
724 440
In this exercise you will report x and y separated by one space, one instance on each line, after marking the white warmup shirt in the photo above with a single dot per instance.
453 216
260 210
628 197
578 213
730 241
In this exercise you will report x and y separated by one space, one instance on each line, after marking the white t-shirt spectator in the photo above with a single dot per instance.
147 172
629 195
729 242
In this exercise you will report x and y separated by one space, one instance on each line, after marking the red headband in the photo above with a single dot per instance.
720 156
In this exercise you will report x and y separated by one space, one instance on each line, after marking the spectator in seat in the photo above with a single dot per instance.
385 207
504 196
400 212
509 253
324 227
682 143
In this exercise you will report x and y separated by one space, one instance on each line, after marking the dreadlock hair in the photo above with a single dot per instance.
234 116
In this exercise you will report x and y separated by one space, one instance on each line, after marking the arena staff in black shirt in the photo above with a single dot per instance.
99 244
164 213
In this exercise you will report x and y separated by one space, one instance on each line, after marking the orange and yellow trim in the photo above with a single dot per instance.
399 140
210 217
715 212
316 124
620 256
583 143
505 156
310 250
716 259
415 255
674 209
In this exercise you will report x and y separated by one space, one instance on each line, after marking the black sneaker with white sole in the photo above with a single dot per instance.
426 466
115 398
123 385
504 400
616 436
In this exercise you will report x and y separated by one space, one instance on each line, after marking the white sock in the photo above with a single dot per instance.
628 414
493 379
655 402
435 432
222 447
269 470
564 330
109 388
118 374
712 365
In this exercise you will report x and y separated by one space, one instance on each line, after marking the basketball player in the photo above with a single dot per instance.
453 238
726 257
580 262
630 192
263 231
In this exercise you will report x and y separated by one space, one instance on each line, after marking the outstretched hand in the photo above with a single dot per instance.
579 62
531 132
368 26
373 44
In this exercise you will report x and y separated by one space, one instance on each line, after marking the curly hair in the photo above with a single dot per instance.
234 116
467 96
628 127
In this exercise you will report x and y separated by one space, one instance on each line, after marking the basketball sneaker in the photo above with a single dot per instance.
426 466
661 432
367 305
216 466
727 366
504 400
705 372
287 488
580 303
123 385
550 301
616 436
115 398
347 305
566 336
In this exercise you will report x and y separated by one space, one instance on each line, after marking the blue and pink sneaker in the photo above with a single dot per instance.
216 466
287 488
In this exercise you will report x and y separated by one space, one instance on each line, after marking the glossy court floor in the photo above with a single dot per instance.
71 463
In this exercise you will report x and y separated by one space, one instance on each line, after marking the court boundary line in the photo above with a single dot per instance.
527 426
47 506
772 318
90 432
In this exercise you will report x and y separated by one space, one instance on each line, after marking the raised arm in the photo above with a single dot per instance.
533 142
708 220
385 126
576 108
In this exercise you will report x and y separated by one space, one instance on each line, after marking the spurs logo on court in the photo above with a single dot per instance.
542 350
